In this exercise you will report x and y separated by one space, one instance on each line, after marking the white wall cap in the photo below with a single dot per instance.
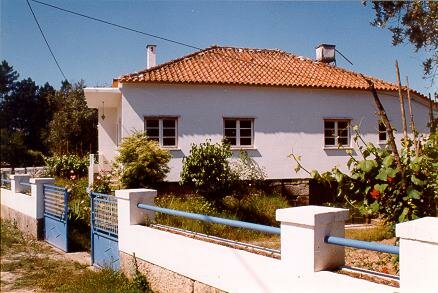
42 180
424 229
102 90
310 215
19 176
125 193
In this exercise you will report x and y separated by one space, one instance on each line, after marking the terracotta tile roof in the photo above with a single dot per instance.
261 67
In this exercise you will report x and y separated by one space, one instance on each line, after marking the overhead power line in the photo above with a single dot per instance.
45 40
175 42
117 25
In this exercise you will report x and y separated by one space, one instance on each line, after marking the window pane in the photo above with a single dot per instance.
151 132
231 140
343 132
230 123
342 124
154 139
330 141
343 141
151 123
245 123
230 132
169 132
245 132
329 132
169 123
382 127
329 124
169 141
245 141
382 136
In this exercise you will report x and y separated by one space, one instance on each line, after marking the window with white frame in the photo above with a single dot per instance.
239 132
336 133
162 129
382 132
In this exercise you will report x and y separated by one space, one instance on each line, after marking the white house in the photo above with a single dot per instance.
268 102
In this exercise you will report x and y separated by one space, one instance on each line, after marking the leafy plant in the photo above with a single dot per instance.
67 166
207 170
375 180
251 176
141 162
102 183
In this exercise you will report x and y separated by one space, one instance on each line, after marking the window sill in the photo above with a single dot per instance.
170 148
234 148
328 148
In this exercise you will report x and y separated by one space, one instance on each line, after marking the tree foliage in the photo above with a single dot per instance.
141 162
207 170
73 128
24 116
414 21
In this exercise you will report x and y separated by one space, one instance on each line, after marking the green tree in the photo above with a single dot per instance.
141 162
24 116
414 21
73 128
207 170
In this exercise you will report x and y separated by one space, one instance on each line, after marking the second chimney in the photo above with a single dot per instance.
151 56
326 53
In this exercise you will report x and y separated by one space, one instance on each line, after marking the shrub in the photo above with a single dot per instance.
397 193
141 162
102 183
207 170
251 176
67 166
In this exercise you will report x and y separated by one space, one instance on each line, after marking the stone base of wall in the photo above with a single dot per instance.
24 223
162 280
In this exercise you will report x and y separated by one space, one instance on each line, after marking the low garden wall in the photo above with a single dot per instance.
25 208
176 263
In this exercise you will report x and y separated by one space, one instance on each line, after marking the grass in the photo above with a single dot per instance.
258 209
376 233
35 266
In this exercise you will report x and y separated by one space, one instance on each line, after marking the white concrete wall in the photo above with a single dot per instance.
107 134
234 270
285 120
30 205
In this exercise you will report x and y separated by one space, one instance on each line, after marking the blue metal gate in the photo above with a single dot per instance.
104 231
56 216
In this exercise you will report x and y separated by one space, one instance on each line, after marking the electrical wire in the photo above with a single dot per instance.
117 25
301 75
45 39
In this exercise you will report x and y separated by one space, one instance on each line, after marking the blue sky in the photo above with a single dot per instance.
96 52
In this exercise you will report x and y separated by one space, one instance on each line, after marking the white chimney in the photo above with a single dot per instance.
326 53
151 56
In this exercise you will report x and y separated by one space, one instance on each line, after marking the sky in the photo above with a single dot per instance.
97 53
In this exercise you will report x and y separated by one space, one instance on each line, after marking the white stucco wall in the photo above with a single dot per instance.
285 120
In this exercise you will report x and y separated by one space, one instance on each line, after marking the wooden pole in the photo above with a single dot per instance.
411 115
402 107
385 120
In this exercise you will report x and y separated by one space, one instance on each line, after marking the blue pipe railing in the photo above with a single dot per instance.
362 244
210 219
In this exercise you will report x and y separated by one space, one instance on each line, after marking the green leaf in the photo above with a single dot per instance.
367 165
381 187
417 181
413 193
387 161
403 215
384 173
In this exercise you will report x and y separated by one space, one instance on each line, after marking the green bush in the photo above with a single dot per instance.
380 187
141 162
102 183
251 177
207 170
67 166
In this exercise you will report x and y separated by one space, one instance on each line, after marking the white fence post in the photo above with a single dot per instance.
303 229
91 170
16 180
37 188
418 255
